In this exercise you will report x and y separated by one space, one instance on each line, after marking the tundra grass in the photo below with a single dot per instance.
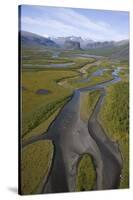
46 60
86 173
35 165
114 117
42 114
124 74
45 57
38 112
42 127
88 102
93 81
38 107
92 69
77 63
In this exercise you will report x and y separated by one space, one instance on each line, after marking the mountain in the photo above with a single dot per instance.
118 50
31 39
112 49
61 40
85 43
121 50
95 45
122 42
71 45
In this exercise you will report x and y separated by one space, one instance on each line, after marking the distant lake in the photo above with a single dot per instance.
49 65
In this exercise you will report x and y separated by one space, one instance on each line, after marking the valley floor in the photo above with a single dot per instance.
65 108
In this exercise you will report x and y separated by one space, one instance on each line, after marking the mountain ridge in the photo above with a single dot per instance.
31 39
119 49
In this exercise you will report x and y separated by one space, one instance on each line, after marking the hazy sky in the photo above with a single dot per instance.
93 24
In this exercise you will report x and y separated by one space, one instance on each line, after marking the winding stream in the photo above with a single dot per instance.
72 137
69 64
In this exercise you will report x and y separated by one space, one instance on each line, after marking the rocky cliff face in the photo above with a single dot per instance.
71 45
95 45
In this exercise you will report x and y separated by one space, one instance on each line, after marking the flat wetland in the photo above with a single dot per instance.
52 80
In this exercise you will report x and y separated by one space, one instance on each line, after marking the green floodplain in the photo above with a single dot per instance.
47 84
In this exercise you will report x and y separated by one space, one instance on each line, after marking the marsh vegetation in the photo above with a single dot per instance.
46 89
